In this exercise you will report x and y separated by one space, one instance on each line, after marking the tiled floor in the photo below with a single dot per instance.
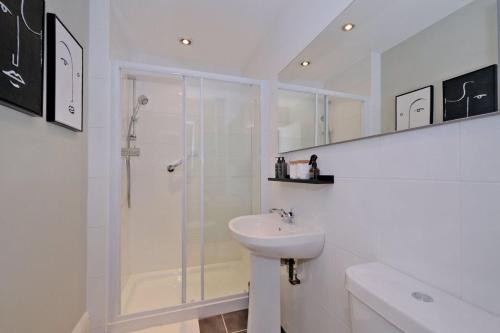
234 322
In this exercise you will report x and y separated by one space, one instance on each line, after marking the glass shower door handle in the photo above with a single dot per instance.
171 167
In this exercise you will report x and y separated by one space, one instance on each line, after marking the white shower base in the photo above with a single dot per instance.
162 289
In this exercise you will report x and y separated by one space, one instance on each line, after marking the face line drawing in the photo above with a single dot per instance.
409 109
464 95
72 69
15 79
464 88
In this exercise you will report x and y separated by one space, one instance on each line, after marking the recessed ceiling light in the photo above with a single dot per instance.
348 27
305 63
185 41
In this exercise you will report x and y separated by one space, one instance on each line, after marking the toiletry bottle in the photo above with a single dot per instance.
280 167
277 168
284 168
314 171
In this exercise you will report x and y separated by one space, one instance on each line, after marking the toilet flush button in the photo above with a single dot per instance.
422 297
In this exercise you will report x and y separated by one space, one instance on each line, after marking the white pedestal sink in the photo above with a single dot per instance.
269 239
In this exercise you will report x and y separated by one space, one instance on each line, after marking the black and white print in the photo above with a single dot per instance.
415 108
471 94
21 55
64 76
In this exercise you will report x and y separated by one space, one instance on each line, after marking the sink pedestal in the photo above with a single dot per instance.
264 314
269 238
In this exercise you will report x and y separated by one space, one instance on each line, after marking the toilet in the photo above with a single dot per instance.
383 300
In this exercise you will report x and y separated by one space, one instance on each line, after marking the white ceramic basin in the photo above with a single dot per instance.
267 235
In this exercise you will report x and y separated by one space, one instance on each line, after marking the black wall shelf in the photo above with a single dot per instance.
326 179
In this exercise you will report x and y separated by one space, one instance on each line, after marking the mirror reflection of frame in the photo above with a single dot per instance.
415 108
354 79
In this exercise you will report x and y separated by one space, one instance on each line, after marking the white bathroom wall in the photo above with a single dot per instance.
43 186
424 202
98 164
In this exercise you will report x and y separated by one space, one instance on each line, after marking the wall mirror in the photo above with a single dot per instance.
385 66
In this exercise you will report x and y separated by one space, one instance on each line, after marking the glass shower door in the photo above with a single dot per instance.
176 247
222 182
151 227
193 200
231 181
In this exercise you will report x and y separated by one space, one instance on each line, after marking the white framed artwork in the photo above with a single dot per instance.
64 76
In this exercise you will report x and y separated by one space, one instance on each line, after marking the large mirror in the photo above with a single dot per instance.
385 66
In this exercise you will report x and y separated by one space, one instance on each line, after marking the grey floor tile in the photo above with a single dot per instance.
236 321
212 325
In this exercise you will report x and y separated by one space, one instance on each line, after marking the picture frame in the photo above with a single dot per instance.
22 56
415 108
471 94
64 76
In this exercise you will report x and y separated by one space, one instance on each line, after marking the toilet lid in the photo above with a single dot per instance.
413 306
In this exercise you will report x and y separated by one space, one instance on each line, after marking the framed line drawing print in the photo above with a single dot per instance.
415 108
21 55
471 94
64 76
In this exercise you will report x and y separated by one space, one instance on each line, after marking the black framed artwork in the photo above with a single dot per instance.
415 108
21 55
64 76
471 94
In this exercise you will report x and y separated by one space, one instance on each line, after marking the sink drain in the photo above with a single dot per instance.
422 297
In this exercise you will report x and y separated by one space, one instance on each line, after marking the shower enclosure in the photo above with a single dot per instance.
186 159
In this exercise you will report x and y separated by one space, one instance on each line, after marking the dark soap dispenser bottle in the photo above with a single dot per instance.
277 168
313 171
284 168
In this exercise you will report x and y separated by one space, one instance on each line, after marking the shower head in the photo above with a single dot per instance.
142 100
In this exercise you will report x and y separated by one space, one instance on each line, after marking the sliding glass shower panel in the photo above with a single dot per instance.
190 151
151 243
230 123
193 203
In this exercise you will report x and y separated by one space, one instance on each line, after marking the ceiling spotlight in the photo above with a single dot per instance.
348 27
305 63
185 41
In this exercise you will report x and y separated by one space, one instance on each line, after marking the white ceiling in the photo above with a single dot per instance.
225 33
380 25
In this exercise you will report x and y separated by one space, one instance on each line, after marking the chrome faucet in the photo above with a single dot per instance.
285 216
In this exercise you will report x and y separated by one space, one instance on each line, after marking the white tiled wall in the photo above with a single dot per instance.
98 164
424 202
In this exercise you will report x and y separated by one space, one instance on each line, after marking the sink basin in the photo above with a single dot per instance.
268 236
269 239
